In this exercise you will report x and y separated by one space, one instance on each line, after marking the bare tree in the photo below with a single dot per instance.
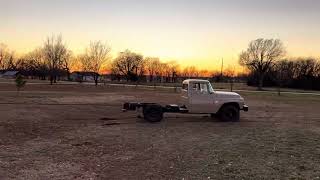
96 55
129 64
185 72
153 65
3 55
36 64
261 55
284 72
161 71
190 72
67 63
305 67
204 73
55 53
6 58
10 62
76 62
317 70
170 71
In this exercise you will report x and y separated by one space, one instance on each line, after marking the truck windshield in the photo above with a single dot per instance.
210 88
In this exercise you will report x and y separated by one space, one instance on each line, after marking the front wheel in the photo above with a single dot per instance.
229 113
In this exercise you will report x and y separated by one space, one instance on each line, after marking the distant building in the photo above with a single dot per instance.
10 74
105 77
1 72
83 76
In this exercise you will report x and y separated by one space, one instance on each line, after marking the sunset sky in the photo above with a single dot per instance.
193 32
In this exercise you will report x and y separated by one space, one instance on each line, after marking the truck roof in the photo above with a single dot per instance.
187 81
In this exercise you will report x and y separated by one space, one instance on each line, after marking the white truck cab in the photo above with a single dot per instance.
199 97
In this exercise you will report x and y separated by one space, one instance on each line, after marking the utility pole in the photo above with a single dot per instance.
221 68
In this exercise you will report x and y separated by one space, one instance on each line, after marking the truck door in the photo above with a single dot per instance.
184 99
201 99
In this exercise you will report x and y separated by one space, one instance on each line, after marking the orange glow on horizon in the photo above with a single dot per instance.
193 34
207 61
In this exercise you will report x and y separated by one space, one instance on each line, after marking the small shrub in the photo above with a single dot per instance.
20 83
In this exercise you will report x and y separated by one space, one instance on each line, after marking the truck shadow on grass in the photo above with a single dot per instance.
186 119
111 121
198 119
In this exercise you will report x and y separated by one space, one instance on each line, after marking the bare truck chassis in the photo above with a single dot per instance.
197 97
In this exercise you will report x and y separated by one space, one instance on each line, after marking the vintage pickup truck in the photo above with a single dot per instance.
197 97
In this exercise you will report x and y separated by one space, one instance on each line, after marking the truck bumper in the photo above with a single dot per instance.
245 108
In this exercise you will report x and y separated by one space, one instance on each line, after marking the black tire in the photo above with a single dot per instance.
229 113
153 113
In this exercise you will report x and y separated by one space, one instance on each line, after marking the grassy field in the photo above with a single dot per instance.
79 132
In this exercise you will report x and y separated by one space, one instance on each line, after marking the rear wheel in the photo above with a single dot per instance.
229 113
153 113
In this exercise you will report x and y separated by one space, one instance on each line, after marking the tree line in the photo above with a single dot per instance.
53 60
299 73
264 59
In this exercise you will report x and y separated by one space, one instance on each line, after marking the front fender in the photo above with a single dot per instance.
220 102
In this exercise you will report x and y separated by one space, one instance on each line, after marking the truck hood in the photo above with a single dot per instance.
224 94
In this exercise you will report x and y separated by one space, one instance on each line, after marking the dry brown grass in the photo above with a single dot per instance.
78 132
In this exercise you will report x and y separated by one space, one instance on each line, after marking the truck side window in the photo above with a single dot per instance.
201 88
196 87
185 87
204 88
